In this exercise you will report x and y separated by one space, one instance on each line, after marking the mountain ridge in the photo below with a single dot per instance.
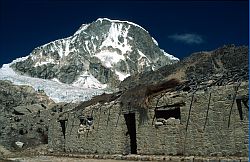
116 49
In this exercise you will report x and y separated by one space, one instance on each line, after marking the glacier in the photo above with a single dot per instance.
57 91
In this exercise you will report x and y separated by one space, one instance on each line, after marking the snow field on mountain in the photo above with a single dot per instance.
117 31
57 91
109 58
121 75
87 80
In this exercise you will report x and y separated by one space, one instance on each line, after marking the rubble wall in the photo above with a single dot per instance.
204 127
190 135
107 134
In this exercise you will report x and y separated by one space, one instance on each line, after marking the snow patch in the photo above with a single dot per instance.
143 60
87 47
74 38
109 58
60 49
48 60
87 80
171 57
155 42
81 29
117 31
119 21
121 75
142 55
66 51
18 60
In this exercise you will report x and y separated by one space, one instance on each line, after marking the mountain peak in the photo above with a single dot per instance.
121 21
110 21
100 54
118 46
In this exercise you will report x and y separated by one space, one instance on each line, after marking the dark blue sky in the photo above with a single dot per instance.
180 27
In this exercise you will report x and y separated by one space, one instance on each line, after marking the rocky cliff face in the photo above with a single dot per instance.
102 52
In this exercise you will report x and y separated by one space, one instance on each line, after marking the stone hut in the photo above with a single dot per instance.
207 122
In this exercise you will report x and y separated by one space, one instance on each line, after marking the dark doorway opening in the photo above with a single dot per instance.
63 126
239 106
130 122
244 100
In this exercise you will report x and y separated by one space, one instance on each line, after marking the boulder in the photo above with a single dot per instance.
24 110
21 110
157 124
172 120
19 144
35 108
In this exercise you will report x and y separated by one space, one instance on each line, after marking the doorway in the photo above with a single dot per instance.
63 126
131 126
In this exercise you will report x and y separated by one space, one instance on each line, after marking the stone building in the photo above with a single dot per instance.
207 122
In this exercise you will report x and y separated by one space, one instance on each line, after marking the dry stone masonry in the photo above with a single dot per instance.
206 124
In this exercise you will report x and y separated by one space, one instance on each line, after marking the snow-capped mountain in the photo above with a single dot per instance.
104 52
98 55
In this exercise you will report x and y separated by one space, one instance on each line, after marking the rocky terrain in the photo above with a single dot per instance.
24 117
13 95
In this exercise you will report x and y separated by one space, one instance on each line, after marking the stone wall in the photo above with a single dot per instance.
203 127
106 135
218 137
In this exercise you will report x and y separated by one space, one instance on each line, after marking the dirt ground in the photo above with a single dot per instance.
61 159
40 154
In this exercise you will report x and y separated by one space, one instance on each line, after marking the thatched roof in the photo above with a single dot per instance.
139 96
103 98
